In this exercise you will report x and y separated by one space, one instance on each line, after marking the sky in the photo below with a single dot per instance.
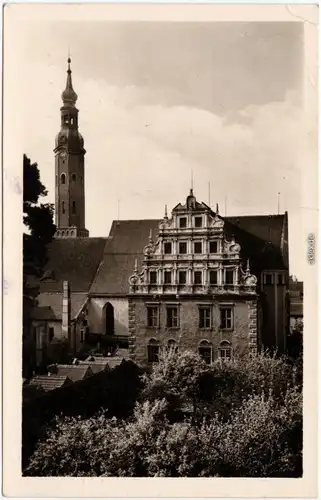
159 101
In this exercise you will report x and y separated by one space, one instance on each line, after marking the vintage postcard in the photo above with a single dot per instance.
160 205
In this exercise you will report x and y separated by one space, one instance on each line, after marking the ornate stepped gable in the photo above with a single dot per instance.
190 255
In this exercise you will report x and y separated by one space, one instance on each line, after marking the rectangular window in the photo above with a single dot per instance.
280 279
229 277
205 317
183 222
197 277
82 336
213 246
153 277
268 279
198 221
51 333
213 277
172 317
226 318
182 277
168 247
167 277
198 247
152 316
182 247
153 353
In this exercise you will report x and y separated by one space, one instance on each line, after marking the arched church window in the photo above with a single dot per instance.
73 207
63 207
63 178
110 321
71 121
56 180
74 177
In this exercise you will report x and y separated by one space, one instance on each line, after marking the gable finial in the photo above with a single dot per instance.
192 183
136 266
248 266
150 236
217 211
165 217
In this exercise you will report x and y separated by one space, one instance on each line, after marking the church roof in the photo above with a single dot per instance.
72 259
102 266
127 239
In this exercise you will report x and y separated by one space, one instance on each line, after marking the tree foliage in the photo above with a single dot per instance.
246 421
38 219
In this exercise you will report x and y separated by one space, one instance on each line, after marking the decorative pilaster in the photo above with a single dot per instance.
131 328
253 323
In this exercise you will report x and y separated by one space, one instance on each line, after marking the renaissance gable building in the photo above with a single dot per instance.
193 279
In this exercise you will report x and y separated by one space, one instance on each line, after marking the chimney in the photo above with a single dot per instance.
65 329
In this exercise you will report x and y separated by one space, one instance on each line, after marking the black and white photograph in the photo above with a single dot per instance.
163 173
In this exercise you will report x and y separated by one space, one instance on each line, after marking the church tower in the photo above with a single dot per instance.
69 169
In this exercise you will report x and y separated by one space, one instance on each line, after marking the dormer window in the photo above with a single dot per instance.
183 222
198 221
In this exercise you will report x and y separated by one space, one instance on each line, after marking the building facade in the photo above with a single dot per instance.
216 285
193 290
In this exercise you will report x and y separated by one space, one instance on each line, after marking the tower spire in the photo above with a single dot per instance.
69 96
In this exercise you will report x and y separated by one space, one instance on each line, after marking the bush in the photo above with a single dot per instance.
246 421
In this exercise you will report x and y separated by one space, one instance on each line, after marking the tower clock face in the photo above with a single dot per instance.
63 155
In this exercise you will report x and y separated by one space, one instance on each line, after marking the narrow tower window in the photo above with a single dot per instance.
63 207
63 179
73 207
74 177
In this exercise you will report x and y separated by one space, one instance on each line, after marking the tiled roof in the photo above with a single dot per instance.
74 372
114 361
128 239
50 382
75 260
265 227
42 313
51 303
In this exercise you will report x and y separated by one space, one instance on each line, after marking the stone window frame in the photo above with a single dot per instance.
198 242
156 319
153 349
229 269
217 247
179 247
202 307
172 344
231 308
179 271
153 272
209 276
167 272
175 307
271 275
201 273
198 217
171 247
184 226
224 347
73 177
63 178
206 345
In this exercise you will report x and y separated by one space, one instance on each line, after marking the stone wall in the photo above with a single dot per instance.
243 336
